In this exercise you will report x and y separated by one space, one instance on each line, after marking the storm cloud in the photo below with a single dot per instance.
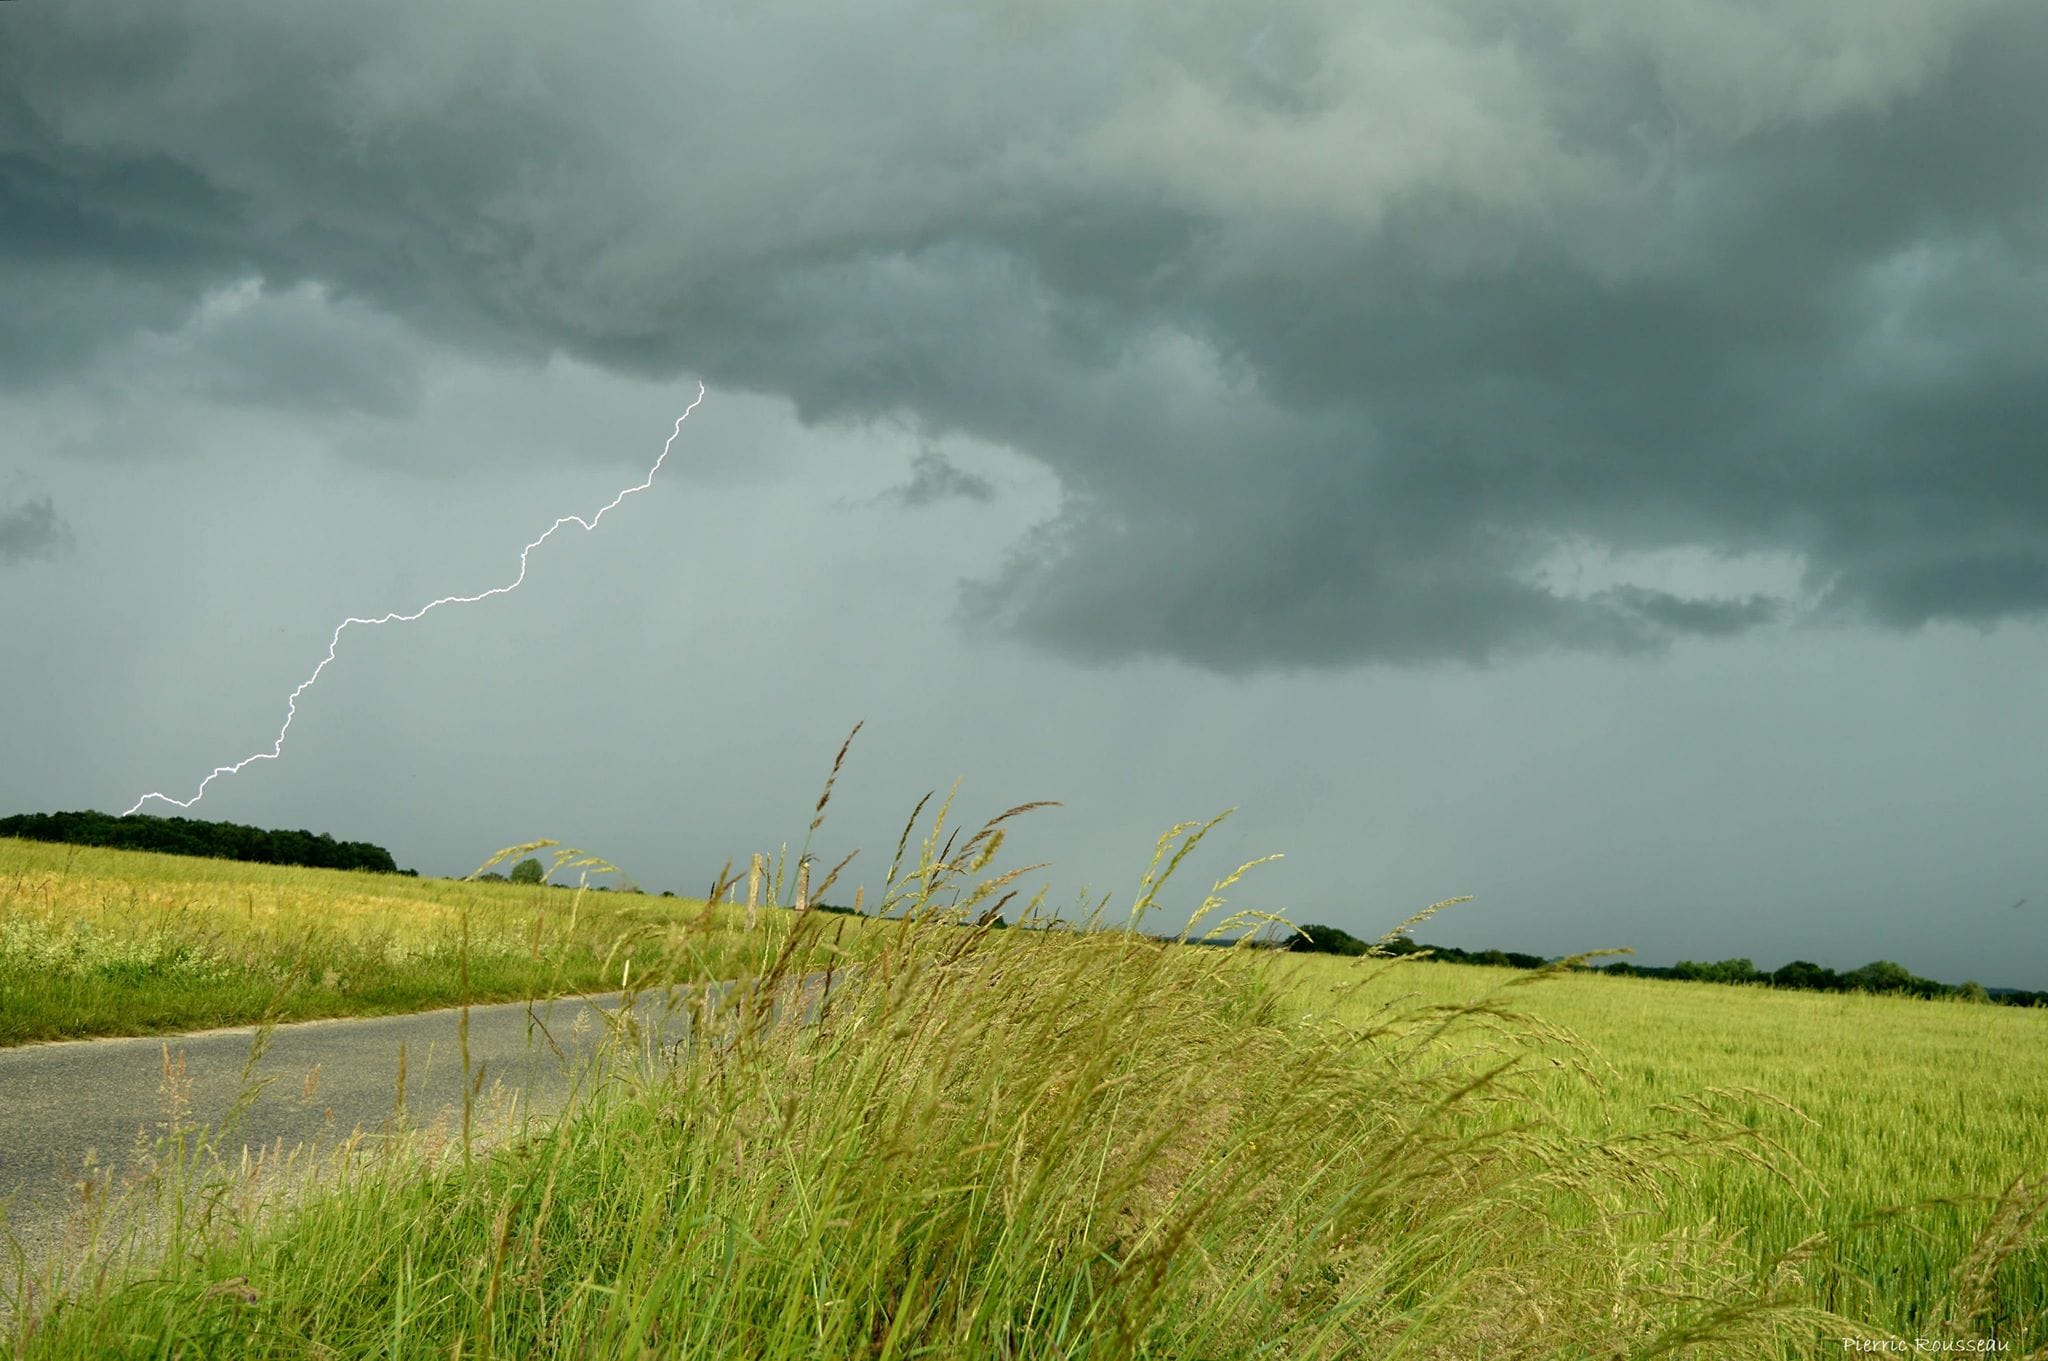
1338 324
935 477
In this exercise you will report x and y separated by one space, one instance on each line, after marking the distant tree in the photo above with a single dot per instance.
1973 991
527 871
491 878
1327 940
1880 975
1804 973
1721 971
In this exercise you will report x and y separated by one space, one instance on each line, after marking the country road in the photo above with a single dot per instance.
61 1103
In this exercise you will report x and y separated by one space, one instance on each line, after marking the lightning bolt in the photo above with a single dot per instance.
291 704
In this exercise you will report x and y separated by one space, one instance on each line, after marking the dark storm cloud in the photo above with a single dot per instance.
1333 320
96 246
31 529
1665 612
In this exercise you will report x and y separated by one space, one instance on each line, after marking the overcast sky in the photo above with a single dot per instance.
1589 457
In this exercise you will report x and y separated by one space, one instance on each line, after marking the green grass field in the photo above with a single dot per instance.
102 942
1092 1144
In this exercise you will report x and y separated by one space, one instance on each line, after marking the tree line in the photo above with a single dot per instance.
1878 976
193 836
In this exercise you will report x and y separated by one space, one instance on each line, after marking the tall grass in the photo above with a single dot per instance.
1066 1141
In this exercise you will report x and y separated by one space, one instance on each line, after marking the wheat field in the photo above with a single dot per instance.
1875 1105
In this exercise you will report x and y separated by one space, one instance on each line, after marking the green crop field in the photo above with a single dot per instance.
1887 1104
104 942
1092 1143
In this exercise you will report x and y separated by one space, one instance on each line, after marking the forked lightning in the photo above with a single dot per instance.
291 707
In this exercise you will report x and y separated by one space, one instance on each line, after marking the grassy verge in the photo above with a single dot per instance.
1903 1120
103 942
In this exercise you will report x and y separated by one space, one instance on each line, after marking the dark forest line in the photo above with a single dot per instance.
197 837
1878 976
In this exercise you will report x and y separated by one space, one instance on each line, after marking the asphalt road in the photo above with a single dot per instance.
64 1103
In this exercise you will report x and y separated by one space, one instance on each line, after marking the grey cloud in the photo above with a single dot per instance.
31 529
1331 321
934 477
98 246
299 351
1973 587
1670 614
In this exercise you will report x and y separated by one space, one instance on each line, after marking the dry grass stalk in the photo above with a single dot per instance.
754 892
